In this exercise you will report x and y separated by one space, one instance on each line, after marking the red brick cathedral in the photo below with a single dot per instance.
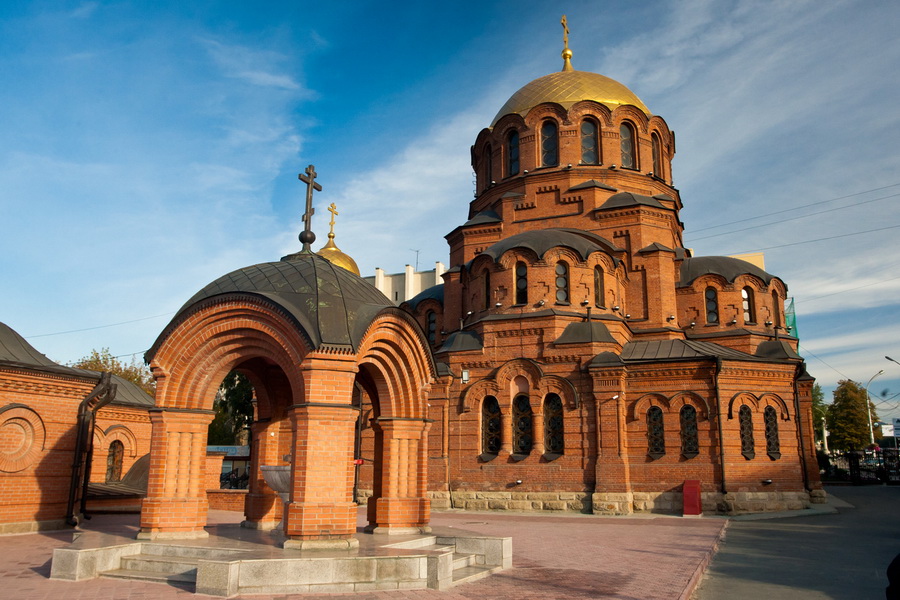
589 361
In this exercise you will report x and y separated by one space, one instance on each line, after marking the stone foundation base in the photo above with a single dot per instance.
338 544
732 503
33 526
171 535
518 501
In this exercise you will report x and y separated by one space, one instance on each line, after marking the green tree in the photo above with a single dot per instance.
234 410
135 371
820 409
847 420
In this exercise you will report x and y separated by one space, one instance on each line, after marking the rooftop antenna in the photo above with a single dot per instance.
417 258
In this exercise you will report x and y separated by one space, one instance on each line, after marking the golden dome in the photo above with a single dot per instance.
332 253
568 87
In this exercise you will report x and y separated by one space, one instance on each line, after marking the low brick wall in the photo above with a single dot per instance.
226 499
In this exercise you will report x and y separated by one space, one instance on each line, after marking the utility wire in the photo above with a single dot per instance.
806 351
28 337
824 239
780 212
859 287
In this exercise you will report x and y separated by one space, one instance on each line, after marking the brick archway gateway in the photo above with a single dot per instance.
306 333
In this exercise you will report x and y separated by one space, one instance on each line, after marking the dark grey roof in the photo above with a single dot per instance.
626 199
582 333
443 369
607 359
663 197
435 292
16 352
331 306
725 266
777 350
593 183
662 350
461 341
482 218
655 247
539 242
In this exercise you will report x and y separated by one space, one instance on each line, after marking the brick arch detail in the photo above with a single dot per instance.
643 404
776 402
678 401
475 394
562 387
742 398
113 433
589 108
511 369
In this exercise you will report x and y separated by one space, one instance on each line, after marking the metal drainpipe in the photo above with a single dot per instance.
719 418
800 439
85 419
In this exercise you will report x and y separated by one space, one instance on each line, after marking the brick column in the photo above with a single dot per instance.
263 505
322 511
176 505
613 482
402 506
537 426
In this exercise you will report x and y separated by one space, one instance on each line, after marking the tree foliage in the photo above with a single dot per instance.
847 420
234 410
135 371
820 409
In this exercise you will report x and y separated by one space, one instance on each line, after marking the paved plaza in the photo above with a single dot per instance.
571 556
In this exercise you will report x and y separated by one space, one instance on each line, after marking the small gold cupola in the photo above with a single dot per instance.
331 252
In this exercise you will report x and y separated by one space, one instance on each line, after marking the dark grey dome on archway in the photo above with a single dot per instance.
331 306
724 266
539 242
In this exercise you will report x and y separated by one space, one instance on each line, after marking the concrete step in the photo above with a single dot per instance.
157 563
437 548
170 578
188 551
462 560
470 574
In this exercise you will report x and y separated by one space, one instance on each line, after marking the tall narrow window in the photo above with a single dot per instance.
512 153
431 323
488 166
487 289
599 290
523 426
549 144
114 462
690 444
521 283
657 155
776 309
553 425
747 303
656 435
711 298
562 282
745 419
490 426
626 137
590 147
773 446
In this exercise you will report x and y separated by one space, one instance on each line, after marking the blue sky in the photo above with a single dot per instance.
150 147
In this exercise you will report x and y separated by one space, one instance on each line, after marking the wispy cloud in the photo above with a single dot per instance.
254 66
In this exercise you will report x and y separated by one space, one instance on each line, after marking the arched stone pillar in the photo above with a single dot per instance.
400 505
176 505
322 510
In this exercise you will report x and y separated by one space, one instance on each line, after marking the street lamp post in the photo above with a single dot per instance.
868 407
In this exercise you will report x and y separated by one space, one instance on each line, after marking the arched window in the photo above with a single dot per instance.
747 303
490 426
562 282
553 425
690 444
521 283
487 289
488 166
114 461
657 155
711 298
626 136
656 436
512 153
745 419
776 308
523 425
431 323
599 289
773 446
590 147
549 144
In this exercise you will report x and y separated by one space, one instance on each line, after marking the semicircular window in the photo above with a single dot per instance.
490 426
656 436
562 282
590 149
711 297
626 141
690 444
745 418
523 426
773 446
549 144
521 283
512 153
114 462
553 425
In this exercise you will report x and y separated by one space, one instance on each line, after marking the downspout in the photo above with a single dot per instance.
719 418
84 442
801 441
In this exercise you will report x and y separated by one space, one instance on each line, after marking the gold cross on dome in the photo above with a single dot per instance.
565 24
332 208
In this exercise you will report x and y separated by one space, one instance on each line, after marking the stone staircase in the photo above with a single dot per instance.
166 563
465 566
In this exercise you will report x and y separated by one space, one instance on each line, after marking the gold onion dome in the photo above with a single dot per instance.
332 253
568 87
